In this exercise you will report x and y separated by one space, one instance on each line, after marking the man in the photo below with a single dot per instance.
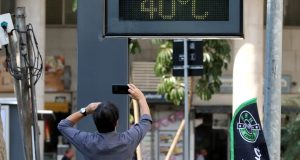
107 144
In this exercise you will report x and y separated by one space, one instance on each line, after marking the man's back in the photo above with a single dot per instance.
106 146
111 145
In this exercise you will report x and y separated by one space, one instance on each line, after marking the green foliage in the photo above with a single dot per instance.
290 136
291 140
172 89
216 57
74 6
134 46
163 65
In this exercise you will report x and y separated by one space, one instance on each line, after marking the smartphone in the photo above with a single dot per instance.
120 89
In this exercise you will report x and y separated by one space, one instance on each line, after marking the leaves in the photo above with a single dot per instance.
290 137
172 88
163 65
134 46
291 140
74 6
216 58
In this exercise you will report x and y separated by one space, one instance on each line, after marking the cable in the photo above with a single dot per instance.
31 70
38 60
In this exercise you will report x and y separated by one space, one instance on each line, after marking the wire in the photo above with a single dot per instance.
33 65
37 59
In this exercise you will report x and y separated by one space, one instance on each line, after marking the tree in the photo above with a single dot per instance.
74 6
290 138
216 57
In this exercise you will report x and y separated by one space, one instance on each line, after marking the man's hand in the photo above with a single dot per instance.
139 96
135 93
77 116
92 107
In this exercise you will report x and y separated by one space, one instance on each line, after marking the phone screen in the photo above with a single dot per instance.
120 89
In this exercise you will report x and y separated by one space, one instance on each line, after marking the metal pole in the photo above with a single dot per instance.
272 80
33 99
186 104
24 107
13 43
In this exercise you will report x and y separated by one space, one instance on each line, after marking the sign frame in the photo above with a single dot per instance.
114 27
195 58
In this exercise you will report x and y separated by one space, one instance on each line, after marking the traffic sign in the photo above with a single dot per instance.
195 58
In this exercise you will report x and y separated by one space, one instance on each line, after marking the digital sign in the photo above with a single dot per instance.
173 10
173 18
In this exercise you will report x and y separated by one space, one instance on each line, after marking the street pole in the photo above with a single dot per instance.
35 127
35 14
22 95
22 63
272 80
186 104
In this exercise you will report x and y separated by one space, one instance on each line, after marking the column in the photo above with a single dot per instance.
249 58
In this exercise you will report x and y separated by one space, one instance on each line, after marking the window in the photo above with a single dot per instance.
59 12
7 6
291 12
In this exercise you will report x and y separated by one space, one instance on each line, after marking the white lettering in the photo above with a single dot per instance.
257 153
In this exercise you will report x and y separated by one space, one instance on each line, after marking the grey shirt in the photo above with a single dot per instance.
106 146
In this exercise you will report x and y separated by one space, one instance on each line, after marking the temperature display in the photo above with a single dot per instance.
173 18
174 10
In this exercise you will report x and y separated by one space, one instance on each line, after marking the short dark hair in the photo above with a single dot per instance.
105 117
